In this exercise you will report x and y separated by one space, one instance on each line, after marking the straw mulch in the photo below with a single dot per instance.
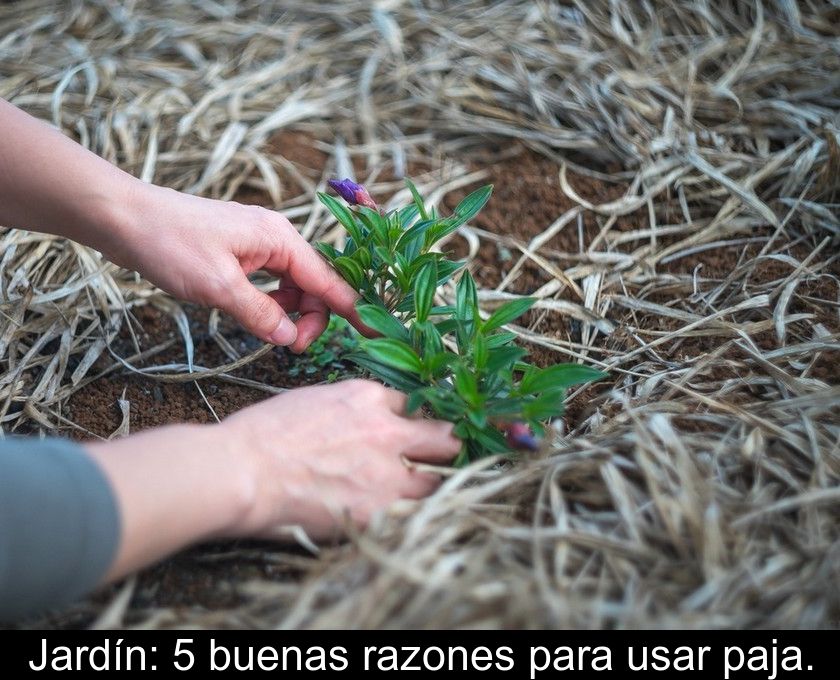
701 487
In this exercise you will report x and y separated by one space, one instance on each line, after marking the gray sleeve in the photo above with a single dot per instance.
59 525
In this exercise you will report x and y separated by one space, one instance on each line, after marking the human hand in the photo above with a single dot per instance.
202 250
319 453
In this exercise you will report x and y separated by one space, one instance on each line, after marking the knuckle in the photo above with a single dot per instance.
269 222
383 437
258 306
368 388
220 283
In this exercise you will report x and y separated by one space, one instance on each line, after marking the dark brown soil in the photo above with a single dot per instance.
155 403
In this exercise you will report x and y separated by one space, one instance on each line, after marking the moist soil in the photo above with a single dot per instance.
527 198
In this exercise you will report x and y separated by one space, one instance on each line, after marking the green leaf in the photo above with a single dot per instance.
415 401
438 364
504 358
442 310
505 407
421 261
490 439
362 256
412 239
425 284
418 199
466 385
342 214
466 297
497 384
472 204
558 377
407 215
463 457
327 251
460 430
394 353
370 295
480 352
401 380
507 313
445 403
382 321
350 270
376 223
464 212
383 255
446 268
446 326
406 304
500 339
549 405
477 418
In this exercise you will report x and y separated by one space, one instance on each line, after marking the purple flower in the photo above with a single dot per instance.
519 436
354 194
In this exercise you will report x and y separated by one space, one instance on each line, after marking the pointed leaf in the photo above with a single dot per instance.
394 353
500 339
507 313
466 297
382 321
424 290
415 401
407 215
376 223
464 212
472 204
446 268
327 251
400 379
418 199
350 270
342 214
558 377
466 385
504 358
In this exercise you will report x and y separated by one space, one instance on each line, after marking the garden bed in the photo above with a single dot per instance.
672 206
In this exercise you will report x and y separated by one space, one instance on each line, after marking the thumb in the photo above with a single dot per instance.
259 313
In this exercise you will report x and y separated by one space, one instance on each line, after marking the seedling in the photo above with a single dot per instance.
327 351
462 366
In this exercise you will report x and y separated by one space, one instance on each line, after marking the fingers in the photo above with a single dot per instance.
430 441
420 484
314 317
259 313
313 275
288 297
314 314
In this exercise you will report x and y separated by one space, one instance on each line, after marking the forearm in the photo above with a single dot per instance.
49 183
174 486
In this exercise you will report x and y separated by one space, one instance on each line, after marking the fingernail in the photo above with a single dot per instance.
285 333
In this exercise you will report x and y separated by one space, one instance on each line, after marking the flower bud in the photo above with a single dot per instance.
519 436
354 194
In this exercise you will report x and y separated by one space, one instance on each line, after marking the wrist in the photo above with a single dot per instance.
264 496
231 477
116 219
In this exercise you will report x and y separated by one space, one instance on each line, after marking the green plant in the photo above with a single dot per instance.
465 368
328 350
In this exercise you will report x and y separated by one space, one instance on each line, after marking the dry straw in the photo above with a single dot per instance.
702 488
